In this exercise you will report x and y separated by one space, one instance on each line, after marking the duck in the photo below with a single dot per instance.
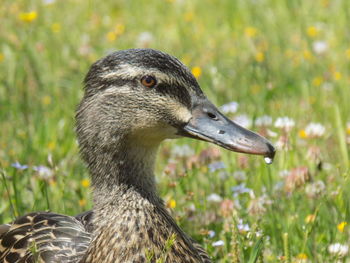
133 100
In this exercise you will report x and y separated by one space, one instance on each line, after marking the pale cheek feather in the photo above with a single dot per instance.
183 114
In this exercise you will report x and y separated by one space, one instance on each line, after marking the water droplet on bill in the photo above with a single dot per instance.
268 160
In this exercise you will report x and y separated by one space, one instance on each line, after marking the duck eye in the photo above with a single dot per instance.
148 81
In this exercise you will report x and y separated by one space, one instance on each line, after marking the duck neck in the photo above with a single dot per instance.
129 166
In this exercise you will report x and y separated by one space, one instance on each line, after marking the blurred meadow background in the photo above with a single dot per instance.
280 68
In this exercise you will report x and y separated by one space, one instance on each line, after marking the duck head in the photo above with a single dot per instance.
144 96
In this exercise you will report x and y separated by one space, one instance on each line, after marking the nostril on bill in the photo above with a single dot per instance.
221 132
211 115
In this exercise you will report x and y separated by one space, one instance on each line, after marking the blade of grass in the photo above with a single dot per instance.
257 250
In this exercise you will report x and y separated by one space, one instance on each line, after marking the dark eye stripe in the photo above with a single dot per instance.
177 92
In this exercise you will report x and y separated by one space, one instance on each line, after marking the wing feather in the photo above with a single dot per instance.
43 237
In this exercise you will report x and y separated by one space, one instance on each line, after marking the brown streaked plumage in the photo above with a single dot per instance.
133 100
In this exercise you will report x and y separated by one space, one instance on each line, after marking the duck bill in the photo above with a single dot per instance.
209 124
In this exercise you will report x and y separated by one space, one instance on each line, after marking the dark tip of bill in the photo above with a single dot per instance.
270 155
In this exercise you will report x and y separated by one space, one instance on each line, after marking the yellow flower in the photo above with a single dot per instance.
2 57
302 134
337 75
259 57
188 16
196 71
317 81
12 152
310 218
4 163
85 183
46 100
325 3
341 226
55 27
307 54
82 202
28 17
53 183
51 145
171 203
347 53
348 130
312 100
111 36
119 29
250 31
255 89
301 256
312 31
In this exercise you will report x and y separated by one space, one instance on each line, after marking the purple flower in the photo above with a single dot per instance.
19 166
216 166
240 189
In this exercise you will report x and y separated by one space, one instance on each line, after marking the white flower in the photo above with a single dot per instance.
243 120
144 39
338 249
214 70
284 173
264 120
320 47
191 207
218 243
271 133
211 233
182 151
242 227
43 171
284 123
327 86
315 189
315 130
230 107
278 187
327 166
214 198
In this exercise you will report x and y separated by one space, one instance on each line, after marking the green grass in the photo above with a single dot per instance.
259 53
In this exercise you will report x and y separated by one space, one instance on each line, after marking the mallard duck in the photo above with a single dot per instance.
133 100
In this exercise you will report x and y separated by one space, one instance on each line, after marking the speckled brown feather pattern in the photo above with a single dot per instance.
120 125
157 239
44 237
142 226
